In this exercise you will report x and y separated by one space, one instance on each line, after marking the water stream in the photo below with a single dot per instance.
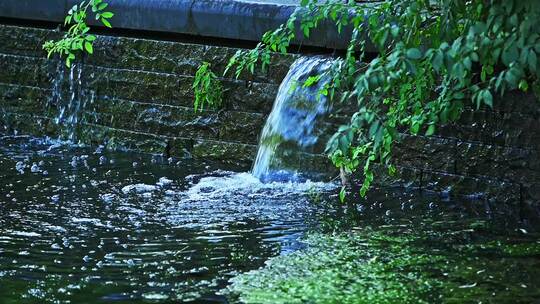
72 102
291 130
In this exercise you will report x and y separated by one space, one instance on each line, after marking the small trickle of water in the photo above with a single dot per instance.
58 80
291 128
70 109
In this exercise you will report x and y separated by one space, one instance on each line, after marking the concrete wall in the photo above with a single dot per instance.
139 97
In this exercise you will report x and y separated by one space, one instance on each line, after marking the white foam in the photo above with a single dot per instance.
216 187
139 188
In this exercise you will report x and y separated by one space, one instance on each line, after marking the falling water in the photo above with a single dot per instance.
290 131
58 80
70 109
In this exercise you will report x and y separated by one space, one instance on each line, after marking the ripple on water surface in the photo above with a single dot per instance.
97 227
80 225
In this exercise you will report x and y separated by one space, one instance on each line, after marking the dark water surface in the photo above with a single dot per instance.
97 227
80 225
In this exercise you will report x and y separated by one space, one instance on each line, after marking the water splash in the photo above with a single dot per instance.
291 129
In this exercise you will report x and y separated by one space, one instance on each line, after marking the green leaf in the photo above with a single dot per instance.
312 80
438 60
414 54
532 60
510 55
306 32
106 23
392 170
523 85
88 47
415 127
107 15
342 194
430 130
488 98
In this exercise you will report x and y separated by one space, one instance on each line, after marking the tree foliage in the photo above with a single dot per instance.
434 57
77 38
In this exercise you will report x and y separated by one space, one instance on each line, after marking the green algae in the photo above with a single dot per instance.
401 263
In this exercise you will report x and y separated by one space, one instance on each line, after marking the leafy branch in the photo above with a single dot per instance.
77 38
207 87
434 57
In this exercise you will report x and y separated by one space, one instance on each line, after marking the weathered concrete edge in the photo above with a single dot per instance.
236 20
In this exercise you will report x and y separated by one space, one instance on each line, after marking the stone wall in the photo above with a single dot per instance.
138 96
488 156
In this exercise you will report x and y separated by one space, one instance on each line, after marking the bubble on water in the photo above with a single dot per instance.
102 160
34 168
25 234
163 181
139 188
55 198
108 197
99 150
155 296
56 228
19 166
41 163
134 164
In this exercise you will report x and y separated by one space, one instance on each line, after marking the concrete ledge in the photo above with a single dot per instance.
42 10
236 19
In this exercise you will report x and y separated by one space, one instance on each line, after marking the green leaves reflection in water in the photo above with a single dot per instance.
427 262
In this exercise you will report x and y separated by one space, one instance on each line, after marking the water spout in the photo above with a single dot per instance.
290 132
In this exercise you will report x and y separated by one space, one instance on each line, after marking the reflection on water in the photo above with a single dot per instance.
80 225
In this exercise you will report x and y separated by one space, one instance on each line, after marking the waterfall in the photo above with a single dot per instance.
69 109
290 132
